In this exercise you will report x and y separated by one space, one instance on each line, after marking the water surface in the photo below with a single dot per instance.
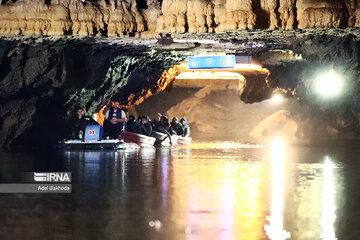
205 191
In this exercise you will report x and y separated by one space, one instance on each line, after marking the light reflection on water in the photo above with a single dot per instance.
237 192
275 229
328 201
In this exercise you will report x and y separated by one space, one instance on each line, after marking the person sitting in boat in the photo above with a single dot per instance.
164 127
156 122
132 125
139 119
176 127
114 122
186 127
145 126
164 121
81 122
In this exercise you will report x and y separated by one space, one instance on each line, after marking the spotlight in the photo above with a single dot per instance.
329 85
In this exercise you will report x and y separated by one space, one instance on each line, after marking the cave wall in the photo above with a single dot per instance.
42 82
43 79
150 17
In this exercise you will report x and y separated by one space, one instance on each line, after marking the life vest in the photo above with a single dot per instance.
118 116
118 113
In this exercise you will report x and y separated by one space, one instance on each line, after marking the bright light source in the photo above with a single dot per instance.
329 85
277 98
209 75
246 66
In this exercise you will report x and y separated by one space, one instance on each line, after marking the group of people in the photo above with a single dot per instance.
115 122
175 127
141 126
80 124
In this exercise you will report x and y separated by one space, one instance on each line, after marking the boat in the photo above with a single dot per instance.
93 141
181 141
139 139
106 144
163 140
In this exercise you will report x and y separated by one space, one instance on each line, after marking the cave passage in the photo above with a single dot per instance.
42 82
210 99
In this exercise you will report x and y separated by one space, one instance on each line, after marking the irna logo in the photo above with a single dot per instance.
52 177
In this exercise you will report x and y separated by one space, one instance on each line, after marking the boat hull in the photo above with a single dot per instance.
162 140
181 141
98 145
139 139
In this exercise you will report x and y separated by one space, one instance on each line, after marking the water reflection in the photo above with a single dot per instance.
328 201
275 229
212 196
219 192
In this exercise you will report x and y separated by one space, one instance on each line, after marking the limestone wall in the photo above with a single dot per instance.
126 18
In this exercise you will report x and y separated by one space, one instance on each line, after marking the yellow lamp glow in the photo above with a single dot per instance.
277 98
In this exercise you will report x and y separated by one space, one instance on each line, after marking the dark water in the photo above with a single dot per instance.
206 191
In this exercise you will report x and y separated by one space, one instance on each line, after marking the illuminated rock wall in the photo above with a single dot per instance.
127 18
321 14
64 17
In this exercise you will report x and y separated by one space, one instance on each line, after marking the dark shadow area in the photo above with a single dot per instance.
49 80
5 1
141 4
344 20
262 17
48 126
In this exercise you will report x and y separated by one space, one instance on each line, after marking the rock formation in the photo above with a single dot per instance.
43 79
151 16
279 124
41 82
218 115
321 14
127 18
64 17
